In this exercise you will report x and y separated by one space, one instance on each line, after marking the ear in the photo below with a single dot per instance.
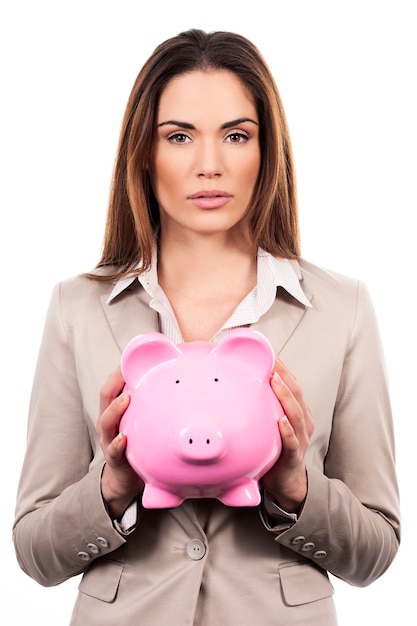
250 347
145 352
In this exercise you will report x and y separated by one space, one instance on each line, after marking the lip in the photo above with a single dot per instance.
212 199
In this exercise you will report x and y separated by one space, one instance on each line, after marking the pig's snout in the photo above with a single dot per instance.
199 445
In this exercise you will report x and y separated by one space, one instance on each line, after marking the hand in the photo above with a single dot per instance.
286 481
119 482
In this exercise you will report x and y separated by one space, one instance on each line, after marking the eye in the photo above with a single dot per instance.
216 380
178 137
237 137
176 382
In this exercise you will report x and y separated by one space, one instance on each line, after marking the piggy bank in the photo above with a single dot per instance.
202 419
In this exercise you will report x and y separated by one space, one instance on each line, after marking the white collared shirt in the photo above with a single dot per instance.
271 274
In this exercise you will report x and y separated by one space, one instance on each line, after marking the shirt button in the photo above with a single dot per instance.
320 554
308 546
102 542
299 539
93 548
196 549
84 556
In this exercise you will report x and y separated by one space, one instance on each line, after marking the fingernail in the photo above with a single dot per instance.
277 377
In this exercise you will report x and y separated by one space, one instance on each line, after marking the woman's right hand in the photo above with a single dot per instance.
119 482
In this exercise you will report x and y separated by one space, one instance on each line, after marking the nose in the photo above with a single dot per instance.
200 444
209 160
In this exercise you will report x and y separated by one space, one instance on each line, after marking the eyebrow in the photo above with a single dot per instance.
189 126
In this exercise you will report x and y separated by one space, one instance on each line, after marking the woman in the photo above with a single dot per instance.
201 237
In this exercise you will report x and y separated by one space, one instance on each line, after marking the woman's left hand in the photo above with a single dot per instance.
286 481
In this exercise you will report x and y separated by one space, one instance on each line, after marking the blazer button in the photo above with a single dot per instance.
297 540
93 548
308 546
102 542
320 554
84 556
196 549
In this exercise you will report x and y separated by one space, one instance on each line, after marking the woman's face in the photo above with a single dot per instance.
206 155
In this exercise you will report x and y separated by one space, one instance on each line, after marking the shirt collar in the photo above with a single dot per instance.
282 274
270 268
121 285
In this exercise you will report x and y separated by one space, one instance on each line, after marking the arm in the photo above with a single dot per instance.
61 520
349 520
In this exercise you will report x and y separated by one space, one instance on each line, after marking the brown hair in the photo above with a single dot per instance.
133 214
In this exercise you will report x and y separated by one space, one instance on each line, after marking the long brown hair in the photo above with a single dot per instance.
133 215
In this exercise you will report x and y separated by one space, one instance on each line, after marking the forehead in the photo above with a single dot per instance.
214 92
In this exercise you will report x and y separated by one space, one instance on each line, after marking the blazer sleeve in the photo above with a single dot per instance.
61 523
350 521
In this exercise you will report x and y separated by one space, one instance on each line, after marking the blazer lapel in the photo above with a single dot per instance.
129 314
280 321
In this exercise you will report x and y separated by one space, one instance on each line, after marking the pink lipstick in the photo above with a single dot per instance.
210 199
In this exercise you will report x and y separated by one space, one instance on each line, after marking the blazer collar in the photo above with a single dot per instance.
286 312
281 320
129 314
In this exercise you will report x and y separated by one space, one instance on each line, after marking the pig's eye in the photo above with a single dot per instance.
176 382
216 380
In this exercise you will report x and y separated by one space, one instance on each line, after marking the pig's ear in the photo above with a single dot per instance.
251 348
143 353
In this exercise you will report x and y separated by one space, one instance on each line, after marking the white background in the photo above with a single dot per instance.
346 71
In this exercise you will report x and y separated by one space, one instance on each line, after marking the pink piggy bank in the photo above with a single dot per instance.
202 419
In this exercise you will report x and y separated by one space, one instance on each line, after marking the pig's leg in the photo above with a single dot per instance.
158 498
244 494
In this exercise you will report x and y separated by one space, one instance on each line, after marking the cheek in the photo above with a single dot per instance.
163 175
250 170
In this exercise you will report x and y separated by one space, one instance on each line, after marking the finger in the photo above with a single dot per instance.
116 448
283 371
290 380
289 440
291 406
109 420
309 422
296 409
111 388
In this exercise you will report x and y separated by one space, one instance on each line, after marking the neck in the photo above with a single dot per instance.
204 262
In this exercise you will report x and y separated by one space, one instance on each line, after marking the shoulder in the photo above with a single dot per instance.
319 276
81 293
333 290
97 282
319 280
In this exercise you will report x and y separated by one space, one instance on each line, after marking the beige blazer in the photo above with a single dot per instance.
205 564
